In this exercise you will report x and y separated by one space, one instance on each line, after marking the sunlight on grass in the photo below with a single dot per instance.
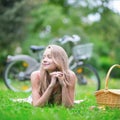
87 110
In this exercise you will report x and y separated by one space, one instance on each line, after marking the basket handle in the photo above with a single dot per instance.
108 74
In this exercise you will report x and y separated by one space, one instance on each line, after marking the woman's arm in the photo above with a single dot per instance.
67 96
68 91
37 99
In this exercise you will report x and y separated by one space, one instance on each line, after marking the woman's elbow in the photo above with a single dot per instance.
69 105
38 105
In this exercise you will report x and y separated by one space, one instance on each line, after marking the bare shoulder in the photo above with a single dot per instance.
35 76
35 73
72 74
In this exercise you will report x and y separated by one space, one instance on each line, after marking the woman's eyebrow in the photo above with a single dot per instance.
49 54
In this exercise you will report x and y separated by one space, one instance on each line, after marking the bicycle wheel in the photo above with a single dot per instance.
88 77
15 76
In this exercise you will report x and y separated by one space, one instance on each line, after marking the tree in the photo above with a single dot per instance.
12 27
11 21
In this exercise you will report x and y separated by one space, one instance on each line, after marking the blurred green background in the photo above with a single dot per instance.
36 22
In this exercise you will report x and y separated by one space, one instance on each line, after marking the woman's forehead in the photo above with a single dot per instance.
47 51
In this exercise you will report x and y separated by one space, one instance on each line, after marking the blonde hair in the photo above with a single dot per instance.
60 59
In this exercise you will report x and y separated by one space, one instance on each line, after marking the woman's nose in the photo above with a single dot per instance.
45 60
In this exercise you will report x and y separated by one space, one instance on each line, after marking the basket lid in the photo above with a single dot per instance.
113 91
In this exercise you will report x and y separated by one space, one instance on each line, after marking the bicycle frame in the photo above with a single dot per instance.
29 62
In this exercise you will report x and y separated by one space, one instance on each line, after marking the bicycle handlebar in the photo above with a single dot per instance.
67 38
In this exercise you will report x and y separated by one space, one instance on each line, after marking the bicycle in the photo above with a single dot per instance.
19 67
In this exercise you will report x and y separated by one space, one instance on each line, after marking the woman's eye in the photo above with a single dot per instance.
49 56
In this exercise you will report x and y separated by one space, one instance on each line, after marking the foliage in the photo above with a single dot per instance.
13 19
41 21
104 33
48 22
12 14
12 28
107 42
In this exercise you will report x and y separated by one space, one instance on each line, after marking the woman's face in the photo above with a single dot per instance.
47 61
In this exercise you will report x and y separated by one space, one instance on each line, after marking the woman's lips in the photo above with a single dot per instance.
45 64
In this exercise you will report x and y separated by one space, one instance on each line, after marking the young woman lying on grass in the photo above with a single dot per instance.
54 83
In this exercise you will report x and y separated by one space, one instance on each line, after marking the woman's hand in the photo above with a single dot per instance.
53 79
61 78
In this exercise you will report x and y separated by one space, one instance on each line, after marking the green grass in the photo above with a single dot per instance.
10 110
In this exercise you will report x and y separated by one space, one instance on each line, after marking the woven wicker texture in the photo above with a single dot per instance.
108 97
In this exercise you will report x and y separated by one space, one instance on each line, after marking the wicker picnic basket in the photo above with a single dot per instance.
108 97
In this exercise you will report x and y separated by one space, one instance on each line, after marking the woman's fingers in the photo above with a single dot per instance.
60 74
57 74
60 77
53 73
